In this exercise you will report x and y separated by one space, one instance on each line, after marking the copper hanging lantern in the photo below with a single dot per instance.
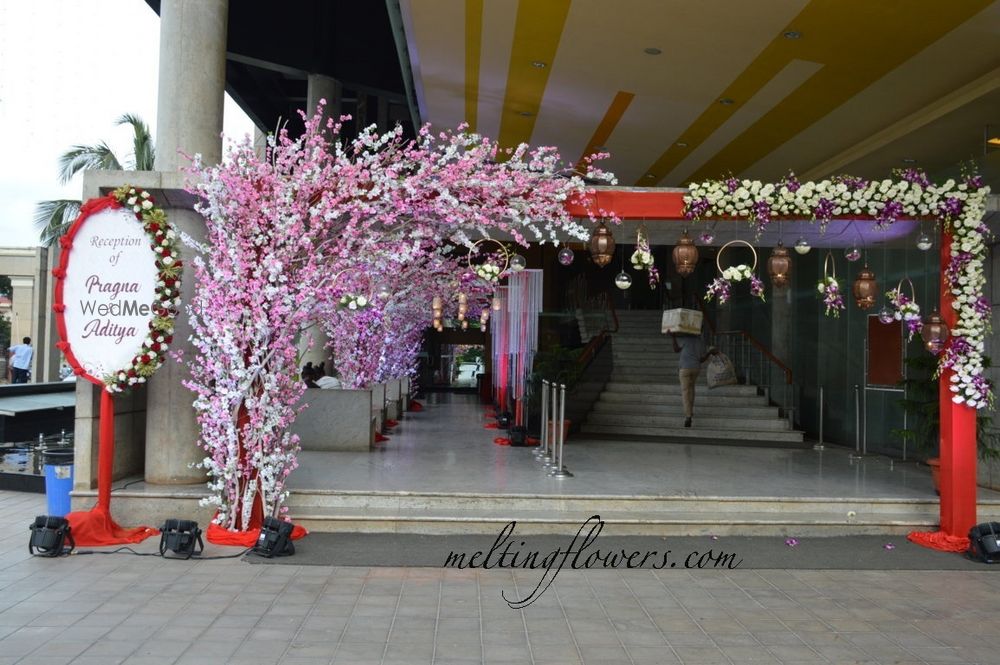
685 255
935 332
602 245
865 289
779 266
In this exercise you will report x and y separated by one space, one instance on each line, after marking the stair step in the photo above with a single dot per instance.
701 397
712 420
666 388
703 431
615 523
676 409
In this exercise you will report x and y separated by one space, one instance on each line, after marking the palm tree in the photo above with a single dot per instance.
53 218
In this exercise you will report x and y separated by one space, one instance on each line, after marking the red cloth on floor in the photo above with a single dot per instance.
939 540
220 536
491 426
416 406
501 441
379 438
532 441
95 528
391 423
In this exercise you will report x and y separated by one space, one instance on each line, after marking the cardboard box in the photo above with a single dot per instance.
686 321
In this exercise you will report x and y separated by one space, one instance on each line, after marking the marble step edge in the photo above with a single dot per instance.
630 396
722 391
506 506
610 517
738 424
653 408
696 432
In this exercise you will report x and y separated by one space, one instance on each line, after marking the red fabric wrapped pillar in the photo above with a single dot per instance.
958 448
96 527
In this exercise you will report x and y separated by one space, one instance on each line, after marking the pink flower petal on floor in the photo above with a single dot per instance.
791 542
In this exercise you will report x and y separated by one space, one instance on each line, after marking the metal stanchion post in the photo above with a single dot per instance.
819 445
548 459
544 443
560 470
857 454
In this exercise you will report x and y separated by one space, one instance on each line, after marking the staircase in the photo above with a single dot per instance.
643 397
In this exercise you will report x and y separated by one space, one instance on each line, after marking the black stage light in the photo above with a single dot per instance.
984 542
275 538
50 535
180 537
518 435
504 420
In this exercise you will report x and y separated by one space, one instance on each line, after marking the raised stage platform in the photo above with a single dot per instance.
440 472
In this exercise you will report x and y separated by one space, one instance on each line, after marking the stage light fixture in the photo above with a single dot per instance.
51 536
182 537
275 539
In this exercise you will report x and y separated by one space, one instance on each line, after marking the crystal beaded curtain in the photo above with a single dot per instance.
524 304
498 329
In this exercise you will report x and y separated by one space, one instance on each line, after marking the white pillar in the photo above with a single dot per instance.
319 87
189 118
192 81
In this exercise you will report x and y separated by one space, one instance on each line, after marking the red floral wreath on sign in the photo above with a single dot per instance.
163 242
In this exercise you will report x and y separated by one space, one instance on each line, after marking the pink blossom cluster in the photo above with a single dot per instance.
291 233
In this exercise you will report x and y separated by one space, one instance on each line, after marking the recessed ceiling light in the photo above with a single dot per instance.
681 144
525 114
538 64
994 140
650 175
652 50
726 101
792 34
909 160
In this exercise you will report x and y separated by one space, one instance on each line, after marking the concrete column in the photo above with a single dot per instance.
320 87
22 297
323 87
171 428
192 81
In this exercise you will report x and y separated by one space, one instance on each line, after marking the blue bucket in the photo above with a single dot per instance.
58 482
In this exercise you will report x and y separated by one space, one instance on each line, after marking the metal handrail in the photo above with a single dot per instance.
763 351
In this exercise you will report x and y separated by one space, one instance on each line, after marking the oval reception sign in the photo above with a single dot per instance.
118 289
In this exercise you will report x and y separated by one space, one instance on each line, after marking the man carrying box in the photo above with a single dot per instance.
693 354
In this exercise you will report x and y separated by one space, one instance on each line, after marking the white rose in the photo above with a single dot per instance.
146 205
131 201
362 301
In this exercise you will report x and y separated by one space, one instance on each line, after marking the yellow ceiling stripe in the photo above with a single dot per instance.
607 125
473 53
537 31
857 41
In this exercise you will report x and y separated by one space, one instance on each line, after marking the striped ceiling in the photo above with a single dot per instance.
814 86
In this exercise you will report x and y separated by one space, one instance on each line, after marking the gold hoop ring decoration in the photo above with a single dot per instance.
829 266
718 257
489 271
913 291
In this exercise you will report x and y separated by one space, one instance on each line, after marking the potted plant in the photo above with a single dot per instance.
556 364
922 405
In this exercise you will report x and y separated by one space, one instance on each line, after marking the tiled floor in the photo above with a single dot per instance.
111 609
445 448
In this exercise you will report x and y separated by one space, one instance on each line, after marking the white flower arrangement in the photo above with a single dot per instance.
489 272
958 205
737 273
353 302
642 259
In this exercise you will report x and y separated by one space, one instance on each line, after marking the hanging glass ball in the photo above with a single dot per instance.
518 263
852 253
384 294
886 315
924 242
802 245
623 280
565 256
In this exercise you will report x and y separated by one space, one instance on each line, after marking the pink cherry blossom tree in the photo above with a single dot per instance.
293 236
